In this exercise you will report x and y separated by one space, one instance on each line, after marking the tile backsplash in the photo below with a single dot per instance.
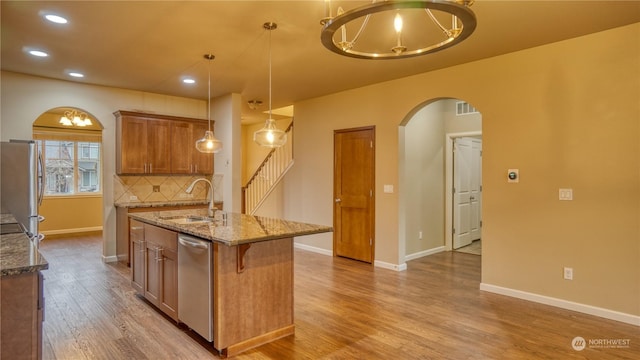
142 189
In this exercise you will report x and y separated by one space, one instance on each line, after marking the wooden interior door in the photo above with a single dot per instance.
354 202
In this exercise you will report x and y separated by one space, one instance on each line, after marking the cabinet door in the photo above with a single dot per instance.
138 250
133 147
159 147
169 283
182 148
161 287
152 272
203 163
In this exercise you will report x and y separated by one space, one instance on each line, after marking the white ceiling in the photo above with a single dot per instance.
150 45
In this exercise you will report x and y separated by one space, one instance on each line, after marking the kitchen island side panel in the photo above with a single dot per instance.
253 306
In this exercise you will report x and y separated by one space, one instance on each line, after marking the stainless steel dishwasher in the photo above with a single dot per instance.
195 284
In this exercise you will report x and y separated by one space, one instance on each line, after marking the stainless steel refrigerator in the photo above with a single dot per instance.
22 185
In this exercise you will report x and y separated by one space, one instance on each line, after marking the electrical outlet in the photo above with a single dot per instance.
568 273
133 198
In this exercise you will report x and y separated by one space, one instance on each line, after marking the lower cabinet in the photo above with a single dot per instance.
21 317
154 266
138 250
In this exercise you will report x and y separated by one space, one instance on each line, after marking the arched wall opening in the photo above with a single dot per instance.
425 169
74 176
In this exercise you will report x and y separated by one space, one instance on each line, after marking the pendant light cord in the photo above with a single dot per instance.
270 116
209 96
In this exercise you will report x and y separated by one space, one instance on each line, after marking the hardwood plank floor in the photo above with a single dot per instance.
343 310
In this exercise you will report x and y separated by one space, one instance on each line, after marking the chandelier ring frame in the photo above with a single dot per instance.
454 8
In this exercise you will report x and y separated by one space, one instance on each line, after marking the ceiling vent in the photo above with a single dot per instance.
464 108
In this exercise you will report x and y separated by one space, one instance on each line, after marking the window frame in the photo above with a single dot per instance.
75 137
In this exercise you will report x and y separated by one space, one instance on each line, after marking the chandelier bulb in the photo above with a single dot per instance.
397 23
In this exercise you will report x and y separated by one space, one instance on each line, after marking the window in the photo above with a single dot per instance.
71 167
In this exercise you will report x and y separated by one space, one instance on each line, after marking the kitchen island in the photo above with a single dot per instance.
252 271
21 286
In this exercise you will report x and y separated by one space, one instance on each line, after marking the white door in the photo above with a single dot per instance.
467 191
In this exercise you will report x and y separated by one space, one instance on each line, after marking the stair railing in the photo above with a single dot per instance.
268 175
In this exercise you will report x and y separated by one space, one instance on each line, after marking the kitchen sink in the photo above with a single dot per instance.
191 219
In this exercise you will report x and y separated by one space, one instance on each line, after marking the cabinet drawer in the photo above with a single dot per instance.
164 238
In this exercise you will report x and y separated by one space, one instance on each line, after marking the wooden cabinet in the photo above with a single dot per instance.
22 304
124 239
142 145
154 266
185 159
159 144
138 250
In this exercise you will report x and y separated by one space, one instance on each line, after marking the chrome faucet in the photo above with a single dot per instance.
212 209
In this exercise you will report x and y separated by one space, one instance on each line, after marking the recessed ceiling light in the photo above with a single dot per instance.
76 74
56 19
188 81
38 53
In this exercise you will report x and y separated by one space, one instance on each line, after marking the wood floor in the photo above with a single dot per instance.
343 310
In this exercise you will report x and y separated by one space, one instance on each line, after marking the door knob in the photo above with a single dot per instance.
338 200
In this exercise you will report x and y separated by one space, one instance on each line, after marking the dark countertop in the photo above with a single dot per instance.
238 228
18 255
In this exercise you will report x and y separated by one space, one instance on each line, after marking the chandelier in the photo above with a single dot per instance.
74 117
396 29
209 144
270 136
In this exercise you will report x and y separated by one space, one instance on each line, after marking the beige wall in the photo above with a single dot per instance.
65 214
566 114
423 185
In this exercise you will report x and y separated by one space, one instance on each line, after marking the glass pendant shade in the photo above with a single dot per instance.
270 135
209 144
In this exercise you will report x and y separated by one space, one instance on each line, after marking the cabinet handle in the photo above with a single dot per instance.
150 168
196 168
159 253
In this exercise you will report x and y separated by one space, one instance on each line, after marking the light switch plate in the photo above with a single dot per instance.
565 194
388 189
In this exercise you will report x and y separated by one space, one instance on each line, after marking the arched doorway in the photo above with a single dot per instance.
426 174
72 155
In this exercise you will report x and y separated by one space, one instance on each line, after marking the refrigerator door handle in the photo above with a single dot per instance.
40 179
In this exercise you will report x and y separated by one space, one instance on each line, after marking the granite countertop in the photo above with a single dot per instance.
236 230
18 255
151 204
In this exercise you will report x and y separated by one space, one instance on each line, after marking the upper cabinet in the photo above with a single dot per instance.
159 144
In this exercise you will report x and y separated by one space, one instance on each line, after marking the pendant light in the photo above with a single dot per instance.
270 135
209 144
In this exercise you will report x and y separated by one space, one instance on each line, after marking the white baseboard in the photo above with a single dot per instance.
109 259
564 304
313 249
390 266
424 253
377 263
72 231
